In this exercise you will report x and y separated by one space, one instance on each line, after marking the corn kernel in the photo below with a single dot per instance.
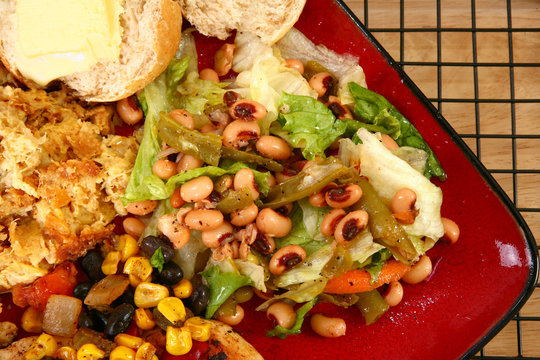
183 289
110 264
145 352
122 353
90 352
44 345
173 309
178 340
253 259
149 294
200 329
130 341
32 320
128 246
144 319
139 267
155 357
66 353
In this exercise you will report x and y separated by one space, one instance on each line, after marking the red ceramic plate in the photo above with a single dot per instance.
477 285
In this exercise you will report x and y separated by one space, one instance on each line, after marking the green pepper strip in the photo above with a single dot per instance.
372 305
206 147
235 200
242 156
307 182
383 226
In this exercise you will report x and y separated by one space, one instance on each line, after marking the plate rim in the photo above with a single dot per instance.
530 242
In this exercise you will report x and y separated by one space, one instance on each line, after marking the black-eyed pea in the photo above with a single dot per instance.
282 314
295 64
402 206
318 199
208 128
286 258
203 219
188 162
281 177
331 220
129 111
351 225
451 230
272 223
174 230
230 97
284 209
419 271
343 196
273 147
339 111
263 243
239 133
220 235
133 227
394 293
209 74
328 327
183 117
244 216
164 169
223 59
321 83
388 142
197 189
234 319
141 208
245 178
247 110
176 199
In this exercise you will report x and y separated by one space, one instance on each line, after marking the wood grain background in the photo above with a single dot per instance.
508 75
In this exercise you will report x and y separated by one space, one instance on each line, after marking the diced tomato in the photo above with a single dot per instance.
59 282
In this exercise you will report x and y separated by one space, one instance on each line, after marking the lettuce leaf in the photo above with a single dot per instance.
309 124
378 111
155 97
253 271
388 173
222 285
282 333
377 261
299 235
309 270
196 94
307 291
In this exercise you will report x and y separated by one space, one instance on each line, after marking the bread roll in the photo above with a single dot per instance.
151 34
269 19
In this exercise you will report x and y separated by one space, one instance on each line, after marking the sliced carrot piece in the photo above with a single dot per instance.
359 280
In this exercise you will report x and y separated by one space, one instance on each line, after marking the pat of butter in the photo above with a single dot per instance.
56 38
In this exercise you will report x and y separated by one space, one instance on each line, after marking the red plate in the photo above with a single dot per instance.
478 284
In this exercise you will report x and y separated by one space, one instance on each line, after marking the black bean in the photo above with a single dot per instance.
171 274
128 297
150 244
119 320
93 319
200 296
91 264
161 320
81 289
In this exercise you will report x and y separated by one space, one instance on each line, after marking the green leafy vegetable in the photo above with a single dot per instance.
157 260
384 117
377 261
222 285
308 124
197 94
282 333
155 98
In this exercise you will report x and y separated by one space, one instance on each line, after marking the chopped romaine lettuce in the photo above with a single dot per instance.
312 218
362 247
196 94
188 48
387 173
375 266
187 255
308 124
155 98
375 109
151 228
253 271
307 291
282 333
222 285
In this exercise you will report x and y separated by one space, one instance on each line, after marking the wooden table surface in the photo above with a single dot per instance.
509 130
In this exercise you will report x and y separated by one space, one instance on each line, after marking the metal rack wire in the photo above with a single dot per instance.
519 322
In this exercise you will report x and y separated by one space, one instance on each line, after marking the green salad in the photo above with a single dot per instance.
291 180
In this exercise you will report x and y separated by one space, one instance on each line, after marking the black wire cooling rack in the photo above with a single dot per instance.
520 339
